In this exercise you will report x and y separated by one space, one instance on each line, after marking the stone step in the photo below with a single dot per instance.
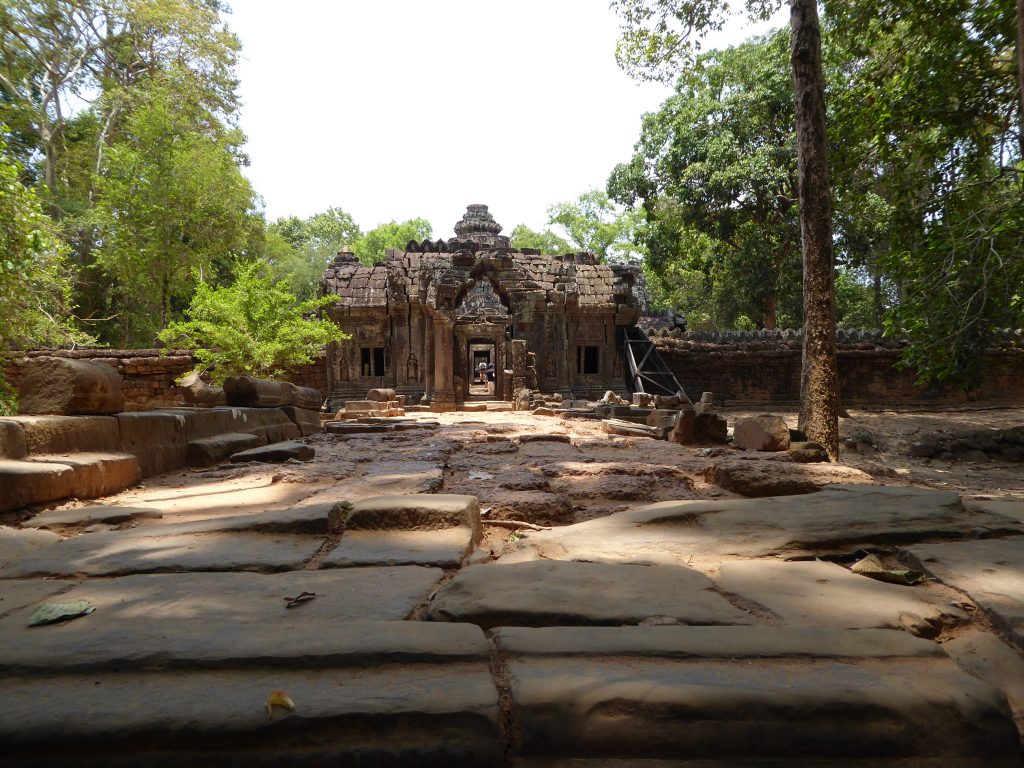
748 695
49 477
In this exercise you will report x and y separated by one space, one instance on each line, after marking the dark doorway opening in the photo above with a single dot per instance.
482 369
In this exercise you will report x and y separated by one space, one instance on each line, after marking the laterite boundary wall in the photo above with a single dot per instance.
149 375
763 367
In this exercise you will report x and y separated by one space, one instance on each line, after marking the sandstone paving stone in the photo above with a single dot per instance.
421 512
97 474
546 593
20 593
393 476
110 515
68 434
737 694
114 554
839 519
442 548
780 477
430 712
235 619
985 656
276 452
33 482
990 571
823 594
16 542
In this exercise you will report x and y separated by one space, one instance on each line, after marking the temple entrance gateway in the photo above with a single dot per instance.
423 320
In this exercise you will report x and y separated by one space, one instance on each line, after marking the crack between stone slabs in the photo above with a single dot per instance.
332 540
507 725
755 609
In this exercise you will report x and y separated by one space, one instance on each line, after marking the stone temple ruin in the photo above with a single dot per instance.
423 320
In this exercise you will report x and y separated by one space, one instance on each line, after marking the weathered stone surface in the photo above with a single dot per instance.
530 506
352 428
756 478
306 419
550 437
629 429
414 512
157 438
12 440
113 554
552 593
199 392
305 398
838 519
28 592
190 616
114 515
393 477
442 548
33 482
15 542
276 452
990 571
381 395
207 451
710 428
97 474
356 706
250 392
823 594
684 431
988 658
764 432
68 434
58 385
805 452
694 700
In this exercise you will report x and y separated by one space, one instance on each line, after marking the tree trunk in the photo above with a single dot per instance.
819 380
1020 75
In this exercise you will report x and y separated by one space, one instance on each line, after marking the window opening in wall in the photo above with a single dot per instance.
588 360
371 361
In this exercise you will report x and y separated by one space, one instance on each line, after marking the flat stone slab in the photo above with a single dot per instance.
115 554
112 515
18 594
229 619
991 571
736 694
414 512
68 434
547 593
33 482
987 657
398 477
276 452
365 694
443 548
822 594
207 451
16 542
758 478
839 519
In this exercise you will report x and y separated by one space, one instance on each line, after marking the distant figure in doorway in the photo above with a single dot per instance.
481 372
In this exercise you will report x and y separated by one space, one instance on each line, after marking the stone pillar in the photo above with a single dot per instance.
427 365
443 398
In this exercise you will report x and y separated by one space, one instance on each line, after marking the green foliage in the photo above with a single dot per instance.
298 250
547 242
594 224
373 246
715 174
173 203
252 327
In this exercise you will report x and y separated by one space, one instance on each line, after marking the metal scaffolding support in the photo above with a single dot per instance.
647 371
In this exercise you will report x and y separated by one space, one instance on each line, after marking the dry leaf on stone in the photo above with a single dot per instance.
872 567
279 698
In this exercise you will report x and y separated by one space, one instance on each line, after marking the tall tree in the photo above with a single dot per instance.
594 224
373 246
657 35
547 242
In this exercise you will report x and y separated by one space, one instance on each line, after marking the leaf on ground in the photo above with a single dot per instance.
872 567
51 613
279 698
299 599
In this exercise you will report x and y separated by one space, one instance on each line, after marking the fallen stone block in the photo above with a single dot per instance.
717 695
413 512
201 393
380 395
113 515
629 429
532 506
764 432
559 593
822 594
250 392
276 452
207 451
12 440
57 385
543 411
710 428
806 452
780 478
301 397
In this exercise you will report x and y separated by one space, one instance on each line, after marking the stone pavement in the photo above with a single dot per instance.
707 631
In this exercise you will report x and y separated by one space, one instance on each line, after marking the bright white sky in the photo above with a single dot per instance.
405 108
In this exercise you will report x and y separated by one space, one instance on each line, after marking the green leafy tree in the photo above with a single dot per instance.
252 327
547 242
298 250
373 246
594 224
173 204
